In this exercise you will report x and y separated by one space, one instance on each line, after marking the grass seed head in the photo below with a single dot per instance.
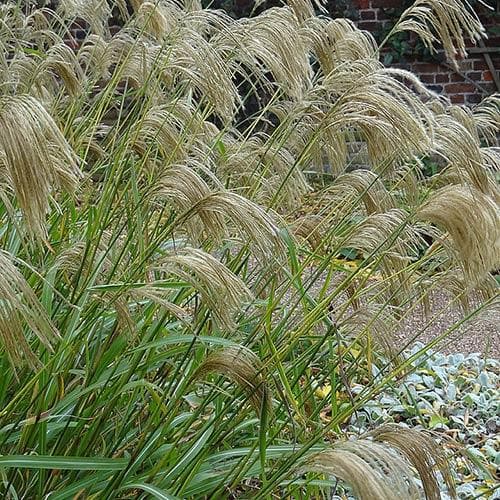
36 157
245 368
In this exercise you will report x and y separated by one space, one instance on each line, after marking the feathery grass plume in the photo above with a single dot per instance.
368 186
63 63
407 180
457 141
95 12
18 78
392 120
445 21
387 236
177 129
36 155
244 367
222 291
18 306
192 59
422 452
186 189
70 259
487 117
136 60
153 18
309 227
159 296
377 323
199 64
381 232
303 9
39 28
12 26
471 221
337 41
491 159
95 58
416 84
250 220
260 167
271 41
136 4
371 469
308 135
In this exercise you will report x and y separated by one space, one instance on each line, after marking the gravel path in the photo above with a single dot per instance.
479 335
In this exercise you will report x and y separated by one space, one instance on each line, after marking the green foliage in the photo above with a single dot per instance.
173 293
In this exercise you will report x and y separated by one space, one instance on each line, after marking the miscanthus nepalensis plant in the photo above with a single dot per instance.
173 280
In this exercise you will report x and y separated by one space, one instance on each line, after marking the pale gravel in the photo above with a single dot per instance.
479 335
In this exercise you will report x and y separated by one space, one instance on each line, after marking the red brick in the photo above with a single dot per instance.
475 75
473 98
457 98
487 76
456 77
367 14
493 41
489 87
381 14
430 78
362 4
426 68
459 88
368 25
386 4
480 64
442 77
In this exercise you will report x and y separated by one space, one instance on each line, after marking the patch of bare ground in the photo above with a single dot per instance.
479 334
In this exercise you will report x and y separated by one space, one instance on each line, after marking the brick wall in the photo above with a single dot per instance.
474 79
472 82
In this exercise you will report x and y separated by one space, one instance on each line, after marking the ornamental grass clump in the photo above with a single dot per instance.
198 289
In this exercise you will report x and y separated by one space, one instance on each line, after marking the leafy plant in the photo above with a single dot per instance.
172 290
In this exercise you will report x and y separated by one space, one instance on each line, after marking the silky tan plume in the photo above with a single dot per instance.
383 467
35 157
470 219
242 366
221 291
446 21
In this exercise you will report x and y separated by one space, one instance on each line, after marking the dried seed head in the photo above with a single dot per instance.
487 118
367 186
95 12
250 220
445 21
371 469
471 220
221 290
379 468
245 368
95 57
376 322
36 157
271 41
422 452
